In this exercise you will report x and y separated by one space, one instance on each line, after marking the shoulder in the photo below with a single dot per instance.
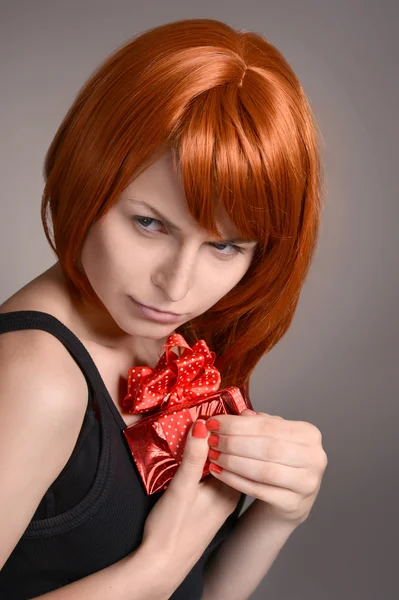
35 364
38 354
43 399
47 293
36 360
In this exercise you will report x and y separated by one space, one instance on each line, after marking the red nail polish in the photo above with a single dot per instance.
212 424
200 430
213 454
215 468
213 440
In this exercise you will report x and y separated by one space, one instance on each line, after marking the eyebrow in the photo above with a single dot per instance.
237 240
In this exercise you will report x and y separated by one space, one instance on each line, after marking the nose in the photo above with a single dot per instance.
175 274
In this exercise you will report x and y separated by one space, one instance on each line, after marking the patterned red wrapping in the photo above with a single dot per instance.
179 390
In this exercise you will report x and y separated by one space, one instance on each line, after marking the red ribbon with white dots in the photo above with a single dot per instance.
177 379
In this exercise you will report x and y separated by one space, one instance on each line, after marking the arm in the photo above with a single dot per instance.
137 577
40 420
243 559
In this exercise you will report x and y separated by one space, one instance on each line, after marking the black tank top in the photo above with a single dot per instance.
94 512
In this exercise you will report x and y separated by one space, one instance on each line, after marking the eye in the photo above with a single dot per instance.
236 249
140 219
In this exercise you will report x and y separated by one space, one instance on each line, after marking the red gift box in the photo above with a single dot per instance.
182 388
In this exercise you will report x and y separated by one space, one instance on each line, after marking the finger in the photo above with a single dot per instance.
259 424
272 494
194 456
265 448
247 411
297 480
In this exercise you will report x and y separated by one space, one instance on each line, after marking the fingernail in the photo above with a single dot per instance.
215 468
213 454
200 430
212 424
252 411
213 440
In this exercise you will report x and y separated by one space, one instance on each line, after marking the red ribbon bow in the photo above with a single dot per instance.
176 379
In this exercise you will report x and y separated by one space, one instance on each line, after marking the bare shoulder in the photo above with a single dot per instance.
36 355
46 293
43 399
35 363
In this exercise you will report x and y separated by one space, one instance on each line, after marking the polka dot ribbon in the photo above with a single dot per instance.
176 380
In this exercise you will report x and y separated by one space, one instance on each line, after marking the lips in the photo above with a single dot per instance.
165 312
149 310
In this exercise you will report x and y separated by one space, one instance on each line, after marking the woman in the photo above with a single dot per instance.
184 179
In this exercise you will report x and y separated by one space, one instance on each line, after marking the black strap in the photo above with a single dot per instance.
33 319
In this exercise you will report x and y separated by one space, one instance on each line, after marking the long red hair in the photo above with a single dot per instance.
232 111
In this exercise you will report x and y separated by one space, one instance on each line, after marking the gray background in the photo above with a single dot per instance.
337 365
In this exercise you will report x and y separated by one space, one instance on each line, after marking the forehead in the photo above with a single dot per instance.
160 185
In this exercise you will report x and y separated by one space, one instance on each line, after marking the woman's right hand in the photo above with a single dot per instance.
189 513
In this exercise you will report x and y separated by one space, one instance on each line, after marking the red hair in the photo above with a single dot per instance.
232 111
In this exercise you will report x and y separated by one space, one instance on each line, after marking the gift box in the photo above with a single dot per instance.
183 387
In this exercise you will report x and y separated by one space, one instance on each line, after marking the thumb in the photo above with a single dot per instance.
195 454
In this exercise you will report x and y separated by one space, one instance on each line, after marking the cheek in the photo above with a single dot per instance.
93 252
107 253
216 281
131 261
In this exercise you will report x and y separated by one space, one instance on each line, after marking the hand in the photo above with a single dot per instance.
274 460
187 516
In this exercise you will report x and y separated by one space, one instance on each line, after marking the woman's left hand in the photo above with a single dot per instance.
274 460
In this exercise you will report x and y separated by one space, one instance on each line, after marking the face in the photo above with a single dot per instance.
136 257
